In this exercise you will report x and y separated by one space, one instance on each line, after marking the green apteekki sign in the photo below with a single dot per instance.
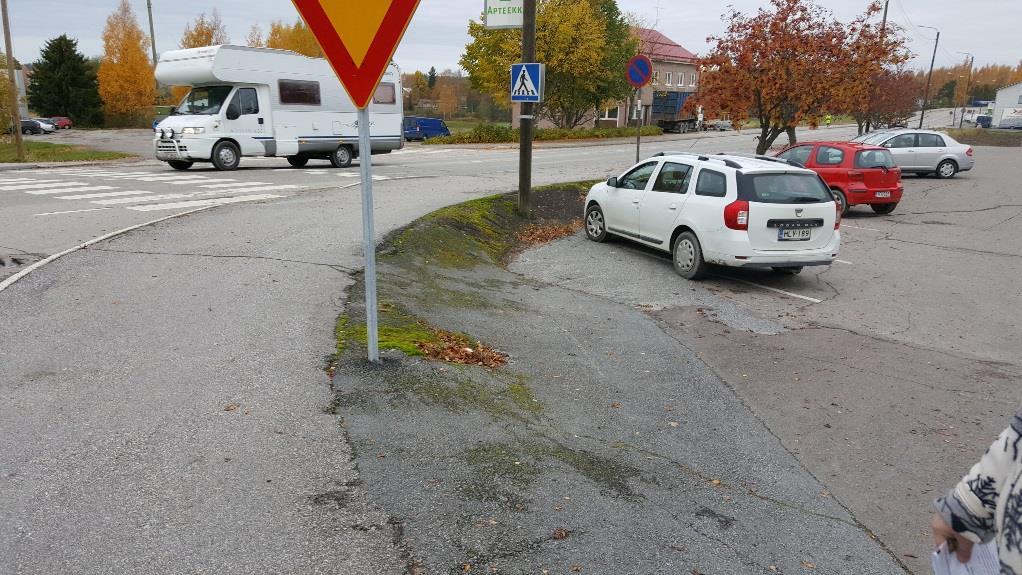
503 13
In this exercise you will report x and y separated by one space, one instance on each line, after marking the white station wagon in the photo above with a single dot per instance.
725 210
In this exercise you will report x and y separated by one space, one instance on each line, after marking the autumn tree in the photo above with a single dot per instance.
255 37
295 37
778 65
895 98
205 32
64 84
579 40
126 82
418 86
5 98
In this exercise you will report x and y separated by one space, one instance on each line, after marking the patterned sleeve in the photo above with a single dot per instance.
969 507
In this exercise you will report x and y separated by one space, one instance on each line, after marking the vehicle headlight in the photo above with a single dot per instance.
193 131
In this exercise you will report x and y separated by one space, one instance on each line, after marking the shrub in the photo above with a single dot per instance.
501 134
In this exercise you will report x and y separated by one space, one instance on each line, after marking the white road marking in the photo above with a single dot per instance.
204 203
39 184
860 228
140 199
775 290
843 262
100 195
14 278
247 189
14 180
193 182
214 186
169 178
72 212
69 190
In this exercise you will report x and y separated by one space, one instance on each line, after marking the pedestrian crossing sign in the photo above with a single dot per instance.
527 82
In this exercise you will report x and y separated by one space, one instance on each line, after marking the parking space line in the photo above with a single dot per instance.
860 228
843 262
101 195
768 288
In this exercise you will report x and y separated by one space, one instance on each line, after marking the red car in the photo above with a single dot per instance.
856 173
61 122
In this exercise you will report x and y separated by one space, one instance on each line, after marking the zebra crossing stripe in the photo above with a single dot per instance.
140 199
204 203
70 190
249 189
100 195
38 184
215 186
185 183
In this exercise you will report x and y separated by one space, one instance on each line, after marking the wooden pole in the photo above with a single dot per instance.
19 145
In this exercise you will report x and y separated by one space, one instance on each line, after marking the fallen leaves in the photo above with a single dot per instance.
561 534
808 565
231 406
456 348
536 234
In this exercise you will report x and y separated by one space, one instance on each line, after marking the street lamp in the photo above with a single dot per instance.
152 32
926 94
968 81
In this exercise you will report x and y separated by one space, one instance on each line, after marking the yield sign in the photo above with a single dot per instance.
358 38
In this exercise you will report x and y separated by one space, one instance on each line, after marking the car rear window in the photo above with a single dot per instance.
783 188
874 159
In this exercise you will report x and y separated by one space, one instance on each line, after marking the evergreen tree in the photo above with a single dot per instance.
431 78
64 84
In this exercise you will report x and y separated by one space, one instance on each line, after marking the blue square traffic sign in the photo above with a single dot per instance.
527 82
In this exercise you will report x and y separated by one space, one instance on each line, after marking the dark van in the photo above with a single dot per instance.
984 121
418 128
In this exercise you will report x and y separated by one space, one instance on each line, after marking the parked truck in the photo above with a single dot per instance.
666 112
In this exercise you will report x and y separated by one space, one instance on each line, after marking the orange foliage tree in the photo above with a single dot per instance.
786 64
295 37
203 32
126 82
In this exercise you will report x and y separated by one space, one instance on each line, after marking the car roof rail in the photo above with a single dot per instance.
780 160
702 157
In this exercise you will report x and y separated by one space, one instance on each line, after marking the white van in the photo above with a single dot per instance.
270 103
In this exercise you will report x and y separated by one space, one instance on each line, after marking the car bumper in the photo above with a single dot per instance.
185 149
748 258
868 196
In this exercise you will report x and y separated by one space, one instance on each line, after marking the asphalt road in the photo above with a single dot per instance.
162 399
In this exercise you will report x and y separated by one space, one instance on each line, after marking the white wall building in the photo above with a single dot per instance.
1008 107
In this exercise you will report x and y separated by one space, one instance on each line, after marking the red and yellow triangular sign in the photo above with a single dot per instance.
358 38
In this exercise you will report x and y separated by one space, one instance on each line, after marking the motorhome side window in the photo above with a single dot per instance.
300 92
385 94
246 101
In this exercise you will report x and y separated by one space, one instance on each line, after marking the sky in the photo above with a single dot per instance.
438 33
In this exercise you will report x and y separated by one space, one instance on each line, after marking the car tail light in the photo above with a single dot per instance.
736 215
837 219
968 152
855 175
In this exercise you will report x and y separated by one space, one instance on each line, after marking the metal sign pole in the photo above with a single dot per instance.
365 162
527 117
638 123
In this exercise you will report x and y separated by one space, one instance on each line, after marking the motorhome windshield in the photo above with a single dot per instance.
204 100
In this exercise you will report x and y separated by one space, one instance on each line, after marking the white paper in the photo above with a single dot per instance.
984 561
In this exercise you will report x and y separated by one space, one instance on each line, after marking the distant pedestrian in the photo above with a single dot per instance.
986 505
827 120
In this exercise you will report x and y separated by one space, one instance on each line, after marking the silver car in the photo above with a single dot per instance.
924 151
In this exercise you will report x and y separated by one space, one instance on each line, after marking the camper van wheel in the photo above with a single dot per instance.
179 165
226 156
341 158
297 161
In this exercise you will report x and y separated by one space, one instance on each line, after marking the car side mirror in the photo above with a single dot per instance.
233 113
612 182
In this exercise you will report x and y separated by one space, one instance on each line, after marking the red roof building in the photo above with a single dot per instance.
661 48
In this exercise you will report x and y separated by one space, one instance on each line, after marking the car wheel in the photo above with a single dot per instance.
297 161
688 257
596 225
947 169
788 270
841 199
180 165
226 156
26 131
883 209
341 158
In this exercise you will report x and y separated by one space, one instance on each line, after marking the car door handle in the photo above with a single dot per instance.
636 202
672 207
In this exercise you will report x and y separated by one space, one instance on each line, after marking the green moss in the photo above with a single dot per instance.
598 469
461 394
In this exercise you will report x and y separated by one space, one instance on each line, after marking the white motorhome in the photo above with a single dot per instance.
269 103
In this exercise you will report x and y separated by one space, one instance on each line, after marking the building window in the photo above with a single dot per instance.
670 78
610 114
656 77
299 92
692 79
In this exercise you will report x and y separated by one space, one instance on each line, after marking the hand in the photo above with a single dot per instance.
942 532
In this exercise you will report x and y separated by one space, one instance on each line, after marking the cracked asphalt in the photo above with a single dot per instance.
891 386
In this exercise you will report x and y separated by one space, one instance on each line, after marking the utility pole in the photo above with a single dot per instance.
926 94
152 43
872 94
527 117
968 81
15 111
